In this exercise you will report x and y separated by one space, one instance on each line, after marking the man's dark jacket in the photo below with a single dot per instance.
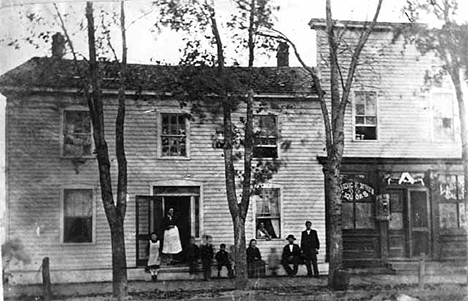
309 244
296 252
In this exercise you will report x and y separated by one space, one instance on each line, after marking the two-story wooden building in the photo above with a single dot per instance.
174 160
402 174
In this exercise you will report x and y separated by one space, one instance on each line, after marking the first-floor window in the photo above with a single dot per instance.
449 192
268 217
357 202
78 216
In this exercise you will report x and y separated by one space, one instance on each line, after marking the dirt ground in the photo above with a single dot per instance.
362 287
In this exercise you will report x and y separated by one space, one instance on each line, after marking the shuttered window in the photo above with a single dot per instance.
77 136
78 215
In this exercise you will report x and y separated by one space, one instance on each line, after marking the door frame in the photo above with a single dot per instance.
183 182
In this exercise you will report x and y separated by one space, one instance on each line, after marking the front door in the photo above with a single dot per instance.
409 226
185 200
419 222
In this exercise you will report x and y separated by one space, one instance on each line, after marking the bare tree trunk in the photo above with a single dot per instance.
333 197
115 214
240 255
119 262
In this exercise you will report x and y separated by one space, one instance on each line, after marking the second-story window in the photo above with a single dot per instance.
265 128
365 114
173 135
442 116
77 136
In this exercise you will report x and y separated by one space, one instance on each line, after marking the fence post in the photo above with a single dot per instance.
422 270
46 287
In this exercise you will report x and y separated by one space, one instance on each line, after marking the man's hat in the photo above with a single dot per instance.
290 236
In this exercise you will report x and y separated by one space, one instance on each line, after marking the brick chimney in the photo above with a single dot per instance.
58 45
282 55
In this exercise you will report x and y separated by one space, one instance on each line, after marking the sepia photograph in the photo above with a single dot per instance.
234 150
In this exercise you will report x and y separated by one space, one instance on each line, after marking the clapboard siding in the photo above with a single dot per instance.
396 71
36 174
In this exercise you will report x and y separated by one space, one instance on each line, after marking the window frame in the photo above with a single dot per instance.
62 129
354 115
277 130
434 136
62 214
280 209
159 119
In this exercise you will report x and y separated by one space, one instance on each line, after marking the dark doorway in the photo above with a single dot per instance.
409 226
181 206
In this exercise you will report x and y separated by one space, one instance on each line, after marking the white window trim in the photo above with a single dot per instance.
62 214
62 127
455 124
281 208
278 131
353 116
159 132
176 183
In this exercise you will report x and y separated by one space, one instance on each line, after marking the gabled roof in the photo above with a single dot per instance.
53 74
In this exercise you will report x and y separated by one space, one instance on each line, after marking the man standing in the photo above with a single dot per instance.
291 254
309 246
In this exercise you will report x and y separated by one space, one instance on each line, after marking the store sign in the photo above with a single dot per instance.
405 178
351 191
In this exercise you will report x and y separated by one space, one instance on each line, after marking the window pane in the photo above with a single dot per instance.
347 215
371 120
360 120
371 108
396 221
396 202
448 217
365 216
366 133
360 109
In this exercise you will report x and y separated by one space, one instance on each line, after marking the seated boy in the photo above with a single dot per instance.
222 257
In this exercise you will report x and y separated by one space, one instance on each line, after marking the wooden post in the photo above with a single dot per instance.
422 270
46 287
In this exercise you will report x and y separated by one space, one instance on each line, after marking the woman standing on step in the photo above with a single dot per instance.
171 243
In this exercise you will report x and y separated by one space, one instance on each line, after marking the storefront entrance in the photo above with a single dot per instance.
409 225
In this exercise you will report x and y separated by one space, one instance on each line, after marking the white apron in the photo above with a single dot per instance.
153 258
171 243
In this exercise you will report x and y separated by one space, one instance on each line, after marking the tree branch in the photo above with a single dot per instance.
355 58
